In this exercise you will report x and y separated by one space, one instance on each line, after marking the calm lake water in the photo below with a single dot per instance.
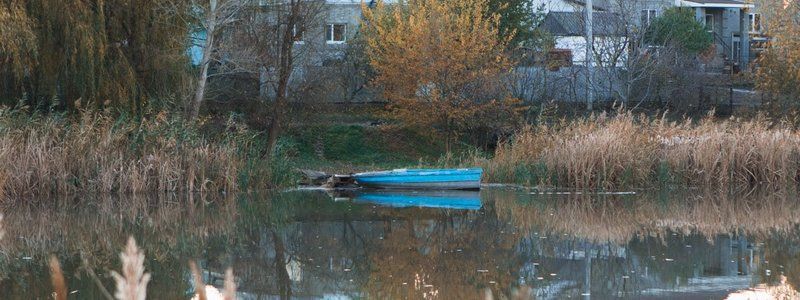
463 245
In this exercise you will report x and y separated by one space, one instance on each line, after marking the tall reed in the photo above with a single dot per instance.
606 152
132 283
94 152
57 278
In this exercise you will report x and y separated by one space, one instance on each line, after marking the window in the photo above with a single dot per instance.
558 58
648 15
298 33
710 22
755 22
336 33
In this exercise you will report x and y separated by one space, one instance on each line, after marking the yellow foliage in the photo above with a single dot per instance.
120 52
18 40
438 62
779 70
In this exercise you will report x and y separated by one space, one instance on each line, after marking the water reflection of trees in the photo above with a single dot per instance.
307 245
445 257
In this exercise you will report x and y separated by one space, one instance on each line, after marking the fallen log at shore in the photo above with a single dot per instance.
332 181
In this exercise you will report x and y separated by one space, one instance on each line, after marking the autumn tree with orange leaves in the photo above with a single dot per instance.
779 66
440 65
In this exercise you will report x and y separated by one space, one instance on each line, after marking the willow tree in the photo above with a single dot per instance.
18 48
439 63
107 52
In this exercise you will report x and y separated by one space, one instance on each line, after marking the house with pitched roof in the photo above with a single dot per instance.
734 24
569 30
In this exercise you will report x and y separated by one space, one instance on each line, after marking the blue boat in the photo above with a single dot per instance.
446 179
466 200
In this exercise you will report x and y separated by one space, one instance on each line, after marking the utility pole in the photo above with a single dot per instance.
589 56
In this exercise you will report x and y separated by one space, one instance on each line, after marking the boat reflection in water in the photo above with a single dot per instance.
448 199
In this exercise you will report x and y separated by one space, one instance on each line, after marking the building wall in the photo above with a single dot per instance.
603 45
554 5
630 8
635 9
727 31
344 13
314 56
315 49
320 63
731 25
727 24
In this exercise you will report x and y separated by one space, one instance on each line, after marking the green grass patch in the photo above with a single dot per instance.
350 148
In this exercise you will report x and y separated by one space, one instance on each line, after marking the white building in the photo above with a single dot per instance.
734 24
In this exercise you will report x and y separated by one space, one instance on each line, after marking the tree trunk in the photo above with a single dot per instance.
285 69
263 83
208 47
275 126
280 103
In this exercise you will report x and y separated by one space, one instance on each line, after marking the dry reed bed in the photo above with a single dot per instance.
50 155
629 151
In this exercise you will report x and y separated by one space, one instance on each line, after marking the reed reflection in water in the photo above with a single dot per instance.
305 244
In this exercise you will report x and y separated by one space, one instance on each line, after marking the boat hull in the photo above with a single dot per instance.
444 179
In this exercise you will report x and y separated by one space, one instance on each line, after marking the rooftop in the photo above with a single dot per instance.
572 24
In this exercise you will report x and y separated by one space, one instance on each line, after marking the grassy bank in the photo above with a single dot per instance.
629 151
94 152
347 148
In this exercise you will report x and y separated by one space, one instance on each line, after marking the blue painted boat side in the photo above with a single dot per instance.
423 178
422 172
448 185
420 178
457 201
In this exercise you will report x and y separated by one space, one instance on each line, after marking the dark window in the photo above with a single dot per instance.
298 33
648 15
710 22
755 22
336 33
